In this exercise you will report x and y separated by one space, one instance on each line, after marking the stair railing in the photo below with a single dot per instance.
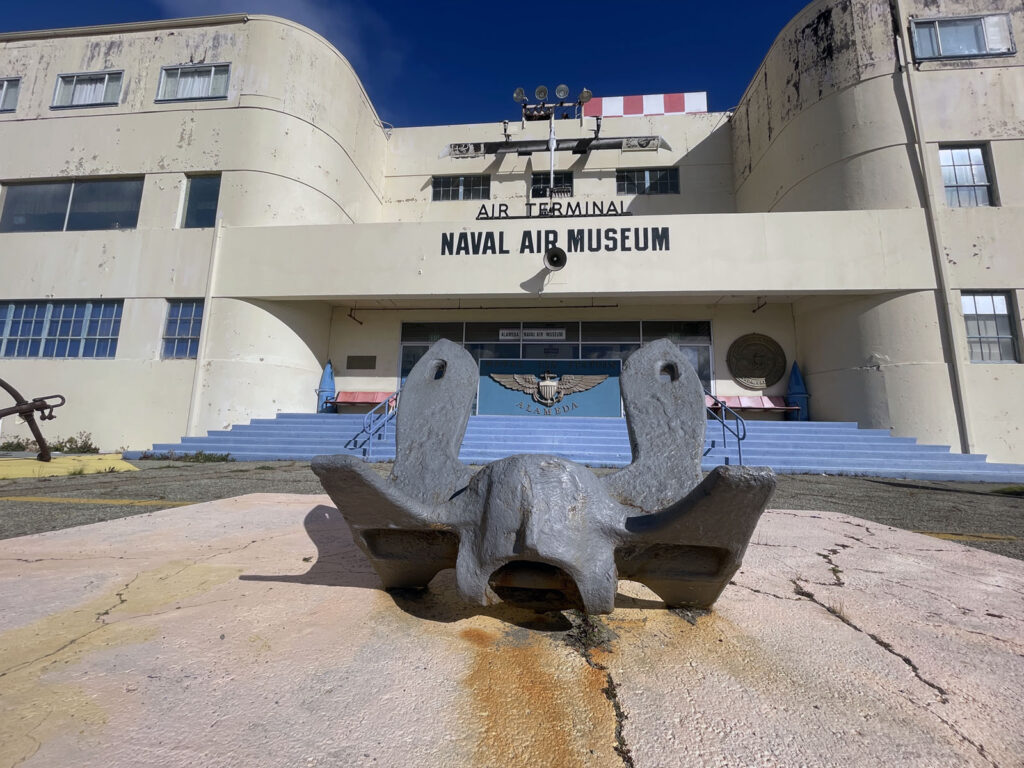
737 429
377 420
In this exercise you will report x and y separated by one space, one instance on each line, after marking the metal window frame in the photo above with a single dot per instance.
106 78
46 336
673 170
435 189
198 331
3 93
936 20
184 67
993 199
1011 315
540 179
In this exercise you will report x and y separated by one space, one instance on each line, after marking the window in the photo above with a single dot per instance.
208 81
646 181
181 333
9 93
541 181
991 335
59 328
92 89
965 176
201 193
964 36
462 187
54 206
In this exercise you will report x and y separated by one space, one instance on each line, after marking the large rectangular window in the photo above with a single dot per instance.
181 332
88 89
462 187
965 176
59 328
53 206
201 194
962 37
647 181
9 88
991 329
540 184
206 81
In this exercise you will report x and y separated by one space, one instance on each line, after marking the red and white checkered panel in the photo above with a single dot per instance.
654 104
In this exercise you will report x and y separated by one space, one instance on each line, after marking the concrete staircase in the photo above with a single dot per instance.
789 447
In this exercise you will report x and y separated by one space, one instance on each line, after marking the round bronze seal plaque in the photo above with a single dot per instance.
756 361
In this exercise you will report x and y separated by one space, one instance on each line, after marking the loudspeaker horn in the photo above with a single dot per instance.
554 259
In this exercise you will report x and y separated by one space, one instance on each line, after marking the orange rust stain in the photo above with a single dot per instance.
535 703
478 637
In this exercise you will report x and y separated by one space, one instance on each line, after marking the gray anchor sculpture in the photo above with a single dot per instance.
541 531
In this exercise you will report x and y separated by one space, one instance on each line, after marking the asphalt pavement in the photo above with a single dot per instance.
971 513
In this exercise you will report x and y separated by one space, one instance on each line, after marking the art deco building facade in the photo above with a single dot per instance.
196 215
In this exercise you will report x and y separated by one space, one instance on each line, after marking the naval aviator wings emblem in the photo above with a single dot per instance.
548 389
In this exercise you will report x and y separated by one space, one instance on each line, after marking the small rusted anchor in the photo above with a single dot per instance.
27 409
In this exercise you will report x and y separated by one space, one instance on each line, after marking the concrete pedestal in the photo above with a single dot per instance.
250 632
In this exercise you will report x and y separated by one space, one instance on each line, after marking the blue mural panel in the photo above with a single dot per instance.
548 388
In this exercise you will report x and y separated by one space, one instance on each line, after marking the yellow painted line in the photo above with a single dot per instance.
107 502
967 536
79 464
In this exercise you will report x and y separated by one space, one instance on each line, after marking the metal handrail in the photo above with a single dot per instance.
739 431
378 418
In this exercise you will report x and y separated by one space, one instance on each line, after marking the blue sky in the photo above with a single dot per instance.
432 63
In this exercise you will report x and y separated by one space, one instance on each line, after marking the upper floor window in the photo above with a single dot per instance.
540 184
205 81
963 36
54 206
965 176
462 187
991 334
9 88
59 328
201 194
89 89
646 181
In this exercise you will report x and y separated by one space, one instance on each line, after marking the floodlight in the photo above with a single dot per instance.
585 96
562 91
519 95
541 93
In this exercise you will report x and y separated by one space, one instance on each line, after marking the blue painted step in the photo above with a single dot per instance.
790 447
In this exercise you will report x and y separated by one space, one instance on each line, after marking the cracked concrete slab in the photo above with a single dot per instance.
251 631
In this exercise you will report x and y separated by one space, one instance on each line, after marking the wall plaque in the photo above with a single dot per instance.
756 361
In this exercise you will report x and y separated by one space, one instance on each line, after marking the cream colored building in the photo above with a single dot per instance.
863 206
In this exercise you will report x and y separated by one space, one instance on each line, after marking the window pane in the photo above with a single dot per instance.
35 207
487 331
411 354
607 351
612 331
107 204
961 37
431 332
201 201
981 195
984 304
999 304
550 351
493 351
1006 350
925 42
113 90
181 333
677 331
220 81
9 99
169 84
88 89
963 174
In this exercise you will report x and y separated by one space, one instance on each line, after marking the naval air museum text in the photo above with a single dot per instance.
581 240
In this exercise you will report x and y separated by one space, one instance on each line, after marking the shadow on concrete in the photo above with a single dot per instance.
338 562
